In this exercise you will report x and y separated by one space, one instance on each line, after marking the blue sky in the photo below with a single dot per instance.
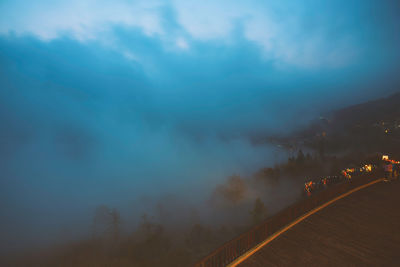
108 101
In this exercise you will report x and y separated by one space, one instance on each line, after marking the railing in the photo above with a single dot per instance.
233 249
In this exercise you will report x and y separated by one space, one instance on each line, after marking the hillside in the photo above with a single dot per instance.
371 127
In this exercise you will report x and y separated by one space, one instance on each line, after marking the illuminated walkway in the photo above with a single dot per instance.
362 229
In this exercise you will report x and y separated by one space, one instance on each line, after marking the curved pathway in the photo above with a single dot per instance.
362 229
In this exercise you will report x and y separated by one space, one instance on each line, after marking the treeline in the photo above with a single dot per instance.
151 244
236 205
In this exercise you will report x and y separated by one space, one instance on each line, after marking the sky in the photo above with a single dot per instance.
110 102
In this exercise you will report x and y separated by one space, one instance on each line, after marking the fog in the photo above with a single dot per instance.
142 103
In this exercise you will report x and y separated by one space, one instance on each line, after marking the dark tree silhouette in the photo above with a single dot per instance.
300 157
259 212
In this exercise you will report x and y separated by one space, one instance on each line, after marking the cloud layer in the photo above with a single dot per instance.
106 102
305 34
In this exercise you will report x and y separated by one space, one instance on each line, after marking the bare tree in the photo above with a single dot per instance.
106 223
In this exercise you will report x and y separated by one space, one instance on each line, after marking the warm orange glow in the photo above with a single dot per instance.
368 168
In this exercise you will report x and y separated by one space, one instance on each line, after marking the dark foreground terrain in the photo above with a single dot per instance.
362 229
